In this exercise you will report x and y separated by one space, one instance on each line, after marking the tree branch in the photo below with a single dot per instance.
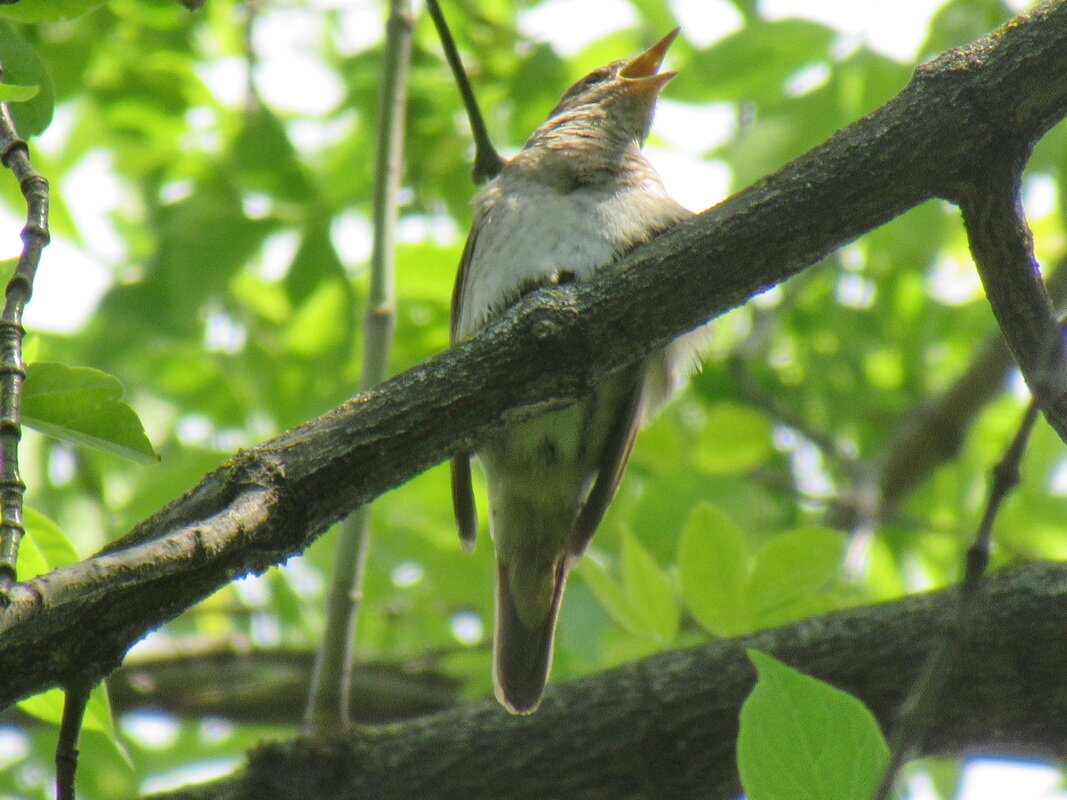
666 726
271 501
933 432
330 696
1003 251
269 686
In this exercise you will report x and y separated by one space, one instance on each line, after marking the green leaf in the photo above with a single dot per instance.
792 567
98 719
23 68
84 406
535 87
802 739
608 593
321 322
13 93
713 567
44 547
648 588
740 437
48 10
753 64
48 706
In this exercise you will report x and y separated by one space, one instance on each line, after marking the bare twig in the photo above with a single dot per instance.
14 154
923 699
487 162
251 11
77 696
330 698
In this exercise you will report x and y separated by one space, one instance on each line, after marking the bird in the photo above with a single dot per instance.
576 197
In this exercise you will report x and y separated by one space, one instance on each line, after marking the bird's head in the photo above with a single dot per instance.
618 98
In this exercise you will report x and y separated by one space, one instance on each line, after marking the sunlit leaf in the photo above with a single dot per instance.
739 439
609 593
84 406
802 739
713 567
12 93
649 590
792 566
44 547
754 63
23 68
48 706
48 10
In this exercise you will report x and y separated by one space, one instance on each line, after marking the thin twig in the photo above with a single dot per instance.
77 696
487 162
330 698
14 154
252 100
922 701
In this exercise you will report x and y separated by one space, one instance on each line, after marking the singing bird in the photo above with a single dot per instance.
578 195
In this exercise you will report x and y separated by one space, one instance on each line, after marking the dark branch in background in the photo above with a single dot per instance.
924 700
487 162
666 726
270 686
933 432
330 698
247 685
271 501
15 156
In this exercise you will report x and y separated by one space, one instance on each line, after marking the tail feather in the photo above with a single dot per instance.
522 654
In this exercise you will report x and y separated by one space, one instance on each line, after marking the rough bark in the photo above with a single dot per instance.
666 726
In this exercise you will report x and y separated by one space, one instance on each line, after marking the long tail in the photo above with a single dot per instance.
522 655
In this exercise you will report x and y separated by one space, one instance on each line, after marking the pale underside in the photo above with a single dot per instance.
529 233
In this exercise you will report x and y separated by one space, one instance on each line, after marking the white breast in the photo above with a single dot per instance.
532 233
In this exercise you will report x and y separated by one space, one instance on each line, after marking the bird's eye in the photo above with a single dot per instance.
594 78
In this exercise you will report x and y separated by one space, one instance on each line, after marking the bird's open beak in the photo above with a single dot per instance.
647 64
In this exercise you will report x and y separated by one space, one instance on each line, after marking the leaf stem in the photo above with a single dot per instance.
920 706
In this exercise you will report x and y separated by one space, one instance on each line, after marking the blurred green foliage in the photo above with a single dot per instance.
240 212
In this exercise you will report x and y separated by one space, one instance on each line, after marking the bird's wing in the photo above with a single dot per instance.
613 460
463 506
642 390
466 512
463 274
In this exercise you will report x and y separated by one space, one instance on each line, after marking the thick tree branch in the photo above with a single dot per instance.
666 726
269 502
1003 250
